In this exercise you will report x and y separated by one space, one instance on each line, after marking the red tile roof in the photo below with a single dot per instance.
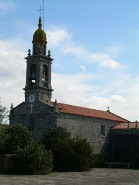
127 125
82 111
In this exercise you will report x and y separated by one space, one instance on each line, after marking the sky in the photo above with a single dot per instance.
95 46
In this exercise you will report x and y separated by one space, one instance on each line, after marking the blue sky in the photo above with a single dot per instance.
95 46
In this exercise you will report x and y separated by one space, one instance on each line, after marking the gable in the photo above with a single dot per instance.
39 107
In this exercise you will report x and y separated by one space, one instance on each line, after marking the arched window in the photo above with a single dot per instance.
45 76
32 75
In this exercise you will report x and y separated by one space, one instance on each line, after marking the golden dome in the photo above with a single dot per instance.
39 34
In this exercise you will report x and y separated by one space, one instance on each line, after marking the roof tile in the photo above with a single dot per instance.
82 111
127 125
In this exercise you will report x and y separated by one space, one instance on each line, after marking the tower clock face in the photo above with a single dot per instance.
31 98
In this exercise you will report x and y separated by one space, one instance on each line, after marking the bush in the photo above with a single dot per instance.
83 154
53 136
3 114
63 155
33 159
68 154
3 136
16 137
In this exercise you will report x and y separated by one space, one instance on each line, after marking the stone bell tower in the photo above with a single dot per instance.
37 113
38 72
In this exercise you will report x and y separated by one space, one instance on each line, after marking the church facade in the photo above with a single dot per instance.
38 113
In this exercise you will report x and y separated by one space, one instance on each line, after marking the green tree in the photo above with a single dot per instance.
72 155
3 113
3 136
33 159
53 136
17 137
69 154
63 155
83 153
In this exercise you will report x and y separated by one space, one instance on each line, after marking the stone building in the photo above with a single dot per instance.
38 113
124 139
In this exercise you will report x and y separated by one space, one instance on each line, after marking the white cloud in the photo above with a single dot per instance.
114 50
122 100
57 36
6 6
104 60
83 68
12 72
11 58
62 40
109 63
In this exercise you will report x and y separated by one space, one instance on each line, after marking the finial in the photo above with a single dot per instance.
49 53
29 52
55 101
108 109
11 106
40 23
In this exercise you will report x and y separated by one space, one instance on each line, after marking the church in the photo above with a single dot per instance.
38 113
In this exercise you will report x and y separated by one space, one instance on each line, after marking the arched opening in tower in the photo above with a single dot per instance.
45 76
32 75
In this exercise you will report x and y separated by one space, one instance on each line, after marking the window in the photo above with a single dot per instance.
45 76
32 75
103 130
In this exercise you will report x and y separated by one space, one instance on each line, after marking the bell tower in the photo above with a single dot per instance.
38 72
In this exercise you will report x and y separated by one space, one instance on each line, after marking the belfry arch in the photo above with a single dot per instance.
45 75
32 75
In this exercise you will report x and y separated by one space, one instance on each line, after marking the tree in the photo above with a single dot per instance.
63 155
32 160
3 113
69 154
17 137
3 136
53 136
83 153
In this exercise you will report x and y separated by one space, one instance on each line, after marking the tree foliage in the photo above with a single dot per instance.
69 154
33 159
30 157
53 136
16 137
83 152
3 113
72 155
3 136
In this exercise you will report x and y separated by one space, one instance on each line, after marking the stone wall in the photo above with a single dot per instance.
44 117
88 127
40 119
